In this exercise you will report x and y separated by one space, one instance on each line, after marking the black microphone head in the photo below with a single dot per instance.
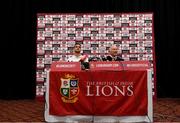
84 65
109 58
119 58
93 58
103 58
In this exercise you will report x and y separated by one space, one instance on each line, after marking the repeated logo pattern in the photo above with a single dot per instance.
57 33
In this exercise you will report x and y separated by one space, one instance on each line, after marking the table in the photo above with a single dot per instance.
99 96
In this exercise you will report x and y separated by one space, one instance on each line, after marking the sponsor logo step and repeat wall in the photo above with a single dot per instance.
57 33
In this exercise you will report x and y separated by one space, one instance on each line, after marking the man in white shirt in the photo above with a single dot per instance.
77 57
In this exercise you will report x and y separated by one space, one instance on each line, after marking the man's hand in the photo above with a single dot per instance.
83 58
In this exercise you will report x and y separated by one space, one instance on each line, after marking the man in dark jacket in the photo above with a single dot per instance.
113 54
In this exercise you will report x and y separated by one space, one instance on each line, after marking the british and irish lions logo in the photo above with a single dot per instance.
69 88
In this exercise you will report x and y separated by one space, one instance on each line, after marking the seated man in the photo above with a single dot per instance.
113 54
77 57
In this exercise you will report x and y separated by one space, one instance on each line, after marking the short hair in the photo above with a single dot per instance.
77 44
110 48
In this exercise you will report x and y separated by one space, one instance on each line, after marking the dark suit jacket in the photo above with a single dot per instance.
110 58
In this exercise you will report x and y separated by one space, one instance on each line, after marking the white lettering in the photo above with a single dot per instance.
65 65
117 89
88 91
107 65
130 91
111 90
137 65
97 90
104 65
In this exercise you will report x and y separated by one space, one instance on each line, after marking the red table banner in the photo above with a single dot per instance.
100 93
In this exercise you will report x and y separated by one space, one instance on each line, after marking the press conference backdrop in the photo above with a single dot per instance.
57 33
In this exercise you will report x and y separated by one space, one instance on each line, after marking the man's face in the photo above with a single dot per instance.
113 51
77 48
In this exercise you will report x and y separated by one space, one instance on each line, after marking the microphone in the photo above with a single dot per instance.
94 59
119 58
103 58
109 58
122 65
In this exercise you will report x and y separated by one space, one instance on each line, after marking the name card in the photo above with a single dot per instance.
135 65
66 66
119 65
101 65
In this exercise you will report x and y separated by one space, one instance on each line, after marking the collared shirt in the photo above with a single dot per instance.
76 58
